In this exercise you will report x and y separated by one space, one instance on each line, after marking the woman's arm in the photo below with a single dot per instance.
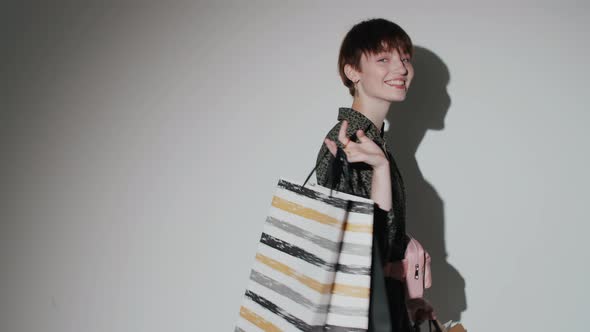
364 150
386 225
381 186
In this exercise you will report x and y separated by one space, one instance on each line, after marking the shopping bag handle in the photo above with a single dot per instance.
431 322
436 324
339 166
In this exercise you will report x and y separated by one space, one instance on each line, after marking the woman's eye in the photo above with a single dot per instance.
385 59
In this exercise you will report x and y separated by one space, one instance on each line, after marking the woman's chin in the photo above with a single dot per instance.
396 98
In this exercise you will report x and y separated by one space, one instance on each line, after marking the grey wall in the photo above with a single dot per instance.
140 146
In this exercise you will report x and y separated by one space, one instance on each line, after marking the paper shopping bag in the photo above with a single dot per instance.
312 269
451 326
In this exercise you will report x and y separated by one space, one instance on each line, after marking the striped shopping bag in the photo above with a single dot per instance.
312 270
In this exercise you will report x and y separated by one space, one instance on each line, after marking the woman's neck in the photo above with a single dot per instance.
376 111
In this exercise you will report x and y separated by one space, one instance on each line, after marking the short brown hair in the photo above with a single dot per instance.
370 37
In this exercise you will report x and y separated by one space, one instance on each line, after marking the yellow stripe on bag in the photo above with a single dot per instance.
258 321
353 291
312 214
359 228
346 290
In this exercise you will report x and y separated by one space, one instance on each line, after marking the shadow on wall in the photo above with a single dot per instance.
425 107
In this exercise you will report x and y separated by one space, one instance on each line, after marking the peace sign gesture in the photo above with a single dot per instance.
366 151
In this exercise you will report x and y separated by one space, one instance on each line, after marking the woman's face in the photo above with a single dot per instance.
386 75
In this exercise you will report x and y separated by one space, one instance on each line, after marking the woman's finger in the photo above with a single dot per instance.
331 145
360 134
342 133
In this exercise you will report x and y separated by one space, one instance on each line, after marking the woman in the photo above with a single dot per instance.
375 65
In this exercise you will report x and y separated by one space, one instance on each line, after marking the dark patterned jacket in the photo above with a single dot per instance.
389 225
388 311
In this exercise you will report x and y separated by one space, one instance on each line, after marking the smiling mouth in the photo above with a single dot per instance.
398 84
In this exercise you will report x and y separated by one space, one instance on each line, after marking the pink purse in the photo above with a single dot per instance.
414 269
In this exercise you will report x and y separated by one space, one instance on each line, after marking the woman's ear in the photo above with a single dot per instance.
351 73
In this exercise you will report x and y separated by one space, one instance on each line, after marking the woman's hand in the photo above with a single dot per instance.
370 153
366 151
420 310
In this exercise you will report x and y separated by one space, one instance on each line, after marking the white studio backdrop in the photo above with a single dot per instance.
140 146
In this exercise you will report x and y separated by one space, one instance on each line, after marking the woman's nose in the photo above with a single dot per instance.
399 66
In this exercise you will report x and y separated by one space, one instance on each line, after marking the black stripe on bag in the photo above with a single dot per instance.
334 328
287 292
278 311
348 205
295 296
302 254
296 321
353 269
347 248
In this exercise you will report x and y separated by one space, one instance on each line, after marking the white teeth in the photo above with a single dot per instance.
396 82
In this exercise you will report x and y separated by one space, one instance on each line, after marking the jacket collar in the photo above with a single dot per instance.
362 122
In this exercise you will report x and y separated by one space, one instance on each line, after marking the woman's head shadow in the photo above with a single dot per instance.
425 108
